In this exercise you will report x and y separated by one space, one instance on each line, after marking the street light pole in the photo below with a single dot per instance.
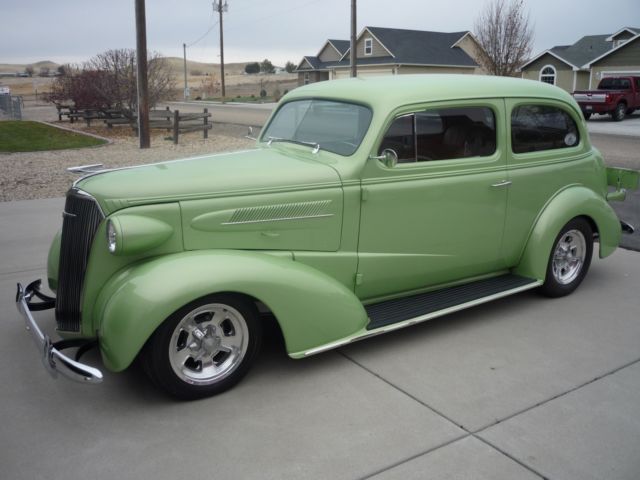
219 7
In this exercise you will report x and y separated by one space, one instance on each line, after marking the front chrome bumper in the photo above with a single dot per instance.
53 359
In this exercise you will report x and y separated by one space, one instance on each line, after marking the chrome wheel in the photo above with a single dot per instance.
569 257
208 344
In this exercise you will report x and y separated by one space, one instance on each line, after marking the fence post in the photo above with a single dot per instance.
206 124
176 120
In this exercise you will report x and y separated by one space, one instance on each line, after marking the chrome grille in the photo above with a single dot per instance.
81 219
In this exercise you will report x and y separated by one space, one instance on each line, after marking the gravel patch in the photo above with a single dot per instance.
32 175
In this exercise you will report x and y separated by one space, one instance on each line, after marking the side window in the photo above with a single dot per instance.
442 134
540 127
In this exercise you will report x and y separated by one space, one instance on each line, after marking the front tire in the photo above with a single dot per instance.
570 258
620 112
204 348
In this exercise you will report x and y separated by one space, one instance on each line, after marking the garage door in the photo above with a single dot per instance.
362 72
635 73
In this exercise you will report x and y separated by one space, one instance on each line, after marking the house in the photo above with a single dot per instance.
393 51
582 65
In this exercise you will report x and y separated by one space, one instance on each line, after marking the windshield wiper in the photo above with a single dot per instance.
315 145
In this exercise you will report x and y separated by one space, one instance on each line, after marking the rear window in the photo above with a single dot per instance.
541 127
614 84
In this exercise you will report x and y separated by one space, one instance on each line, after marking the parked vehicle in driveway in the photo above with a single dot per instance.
615 96
367 205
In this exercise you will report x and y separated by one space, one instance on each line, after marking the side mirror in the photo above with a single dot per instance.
249 134
389 158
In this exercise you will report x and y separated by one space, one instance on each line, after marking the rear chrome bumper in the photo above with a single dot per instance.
53 359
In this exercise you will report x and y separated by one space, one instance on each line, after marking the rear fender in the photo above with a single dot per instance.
574 201
312 308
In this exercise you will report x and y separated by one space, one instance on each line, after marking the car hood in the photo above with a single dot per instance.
261 170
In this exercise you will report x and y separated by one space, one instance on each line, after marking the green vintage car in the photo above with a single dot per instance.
367 205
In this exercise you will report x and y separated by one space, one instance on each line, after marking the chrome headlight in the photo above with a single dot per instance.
112 237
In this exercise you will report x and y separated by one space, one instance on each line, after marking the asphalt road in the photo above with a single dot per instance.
250 114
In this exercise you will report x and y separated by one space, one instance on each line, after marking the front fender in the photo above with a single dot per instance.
574 201
312 308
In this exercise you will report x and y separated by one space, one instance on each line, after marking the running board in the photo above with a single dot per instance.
402 312
425 305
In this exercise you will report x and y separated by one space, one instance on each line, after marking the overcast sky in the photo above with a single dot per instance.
281 30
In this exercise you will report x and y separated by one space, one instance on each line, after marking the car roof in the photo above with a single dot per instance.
393 90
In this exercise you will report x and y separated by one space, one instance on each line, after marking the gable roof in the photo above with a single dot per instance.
578 54
619 47
632 30
408 47
340 45
419 47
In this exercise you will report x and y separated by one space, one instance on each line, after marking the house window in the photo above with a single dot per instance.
548 75
306 78
368 46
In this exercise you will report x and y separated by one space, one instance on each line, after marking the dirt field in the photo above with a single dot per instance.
203 80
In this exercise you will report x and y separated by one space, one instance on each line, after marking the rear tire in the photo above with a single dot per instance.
587 115
569 259
619 112
204 348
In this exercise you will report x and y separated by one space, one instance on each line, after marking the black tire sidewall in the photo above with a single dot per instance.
551 287
619 112
155 357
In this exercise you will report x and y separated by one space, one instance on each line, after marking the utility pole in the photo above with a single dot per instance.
352 46
219 7
186 88
143 84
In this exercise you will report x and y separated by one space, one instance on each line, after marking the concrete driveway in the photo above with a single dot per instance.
630 126
524 388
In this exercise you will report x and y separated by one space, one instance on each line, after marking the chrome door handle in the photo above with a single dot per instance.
503 183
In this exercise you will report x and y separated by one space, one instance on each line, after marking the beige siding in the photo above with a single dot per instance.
582 81
564 73
377 51
402 70
313 77
329 54
626 59
471 48
629 54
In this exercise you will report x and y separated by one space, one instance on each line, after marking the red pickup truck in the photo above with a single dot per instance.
616 96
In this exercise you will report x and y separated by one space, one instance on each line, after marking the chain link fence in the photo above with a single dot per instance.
11 107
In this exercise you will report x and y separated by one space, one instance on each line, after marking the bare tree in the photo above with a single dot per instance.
505 34
108 80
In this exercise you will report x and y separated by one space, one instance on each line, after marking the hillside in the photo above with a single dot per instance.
176 64
17 68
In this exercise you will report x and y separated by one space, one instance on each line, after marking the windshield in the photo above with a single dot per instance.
337 127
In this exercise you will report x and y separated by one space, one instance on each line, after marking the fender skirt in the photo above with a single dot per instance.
575 201
312 308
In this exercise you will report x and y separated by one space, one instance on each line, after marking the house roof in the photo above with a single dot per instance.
619 47
410 47
340 45
578 54
633 30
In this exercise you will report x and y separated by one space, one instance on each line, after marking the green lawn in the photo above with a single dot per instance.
23 136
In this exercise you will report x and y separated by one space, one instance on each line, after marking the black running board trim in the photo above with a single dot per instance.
402 309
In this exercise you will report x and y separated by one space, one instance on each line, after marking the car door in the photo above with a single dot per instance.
438 215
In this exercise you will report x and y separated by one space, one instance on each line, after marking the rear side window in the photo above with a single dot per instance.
442 134
541 127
